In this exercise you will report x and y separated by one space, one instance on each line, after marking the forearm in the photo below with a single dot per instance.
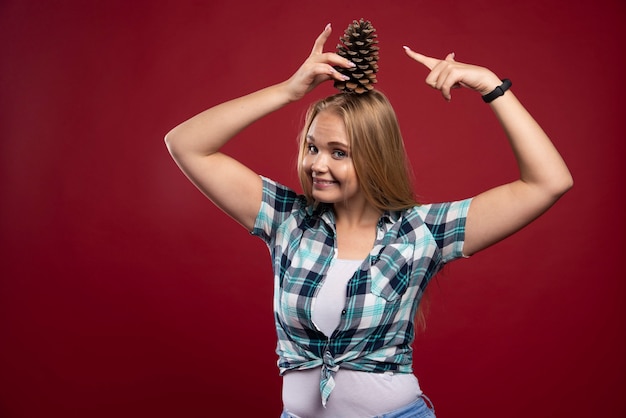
540 164
205 133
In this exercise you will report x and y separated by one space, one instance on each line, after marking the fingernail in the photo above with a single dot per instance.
406 48
345 77
351 64
327 27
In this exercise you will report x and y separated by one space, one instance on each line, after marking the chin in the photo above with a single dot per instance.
325 198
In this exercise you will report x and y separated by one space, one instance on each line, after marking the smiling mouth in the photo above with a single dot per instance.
323 183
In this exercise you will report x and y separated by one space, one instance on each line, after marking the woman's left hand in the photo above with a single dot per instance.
447 74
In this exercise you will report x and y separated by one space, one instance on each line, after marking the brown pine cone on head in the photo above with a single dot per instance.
358 44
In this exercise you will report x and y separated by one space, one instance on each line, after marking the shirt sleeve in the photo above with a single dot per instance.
446 222
278 203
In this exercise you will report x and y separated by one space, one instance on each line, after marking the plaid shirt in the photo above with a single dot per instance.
376 330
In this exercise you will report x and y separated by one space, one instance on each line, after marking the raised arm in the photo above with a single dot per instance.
544 177
195 143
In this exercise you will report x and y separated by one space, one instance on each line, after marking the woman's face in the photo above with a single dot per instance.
328 161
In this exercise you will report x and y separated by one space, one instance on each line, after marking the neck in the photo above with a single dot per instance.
356 216
356 230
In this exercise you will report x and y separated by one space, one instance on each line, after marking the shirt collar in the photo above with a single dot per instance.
389 217
324 212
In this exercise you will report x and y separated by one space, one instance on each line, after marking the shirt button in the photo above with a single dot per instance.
343 312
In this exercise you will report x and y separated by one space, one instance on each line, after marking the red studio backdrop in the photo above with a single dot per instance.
125 293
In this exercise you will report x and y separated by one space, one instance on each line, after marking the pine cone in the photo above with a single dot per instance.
358 44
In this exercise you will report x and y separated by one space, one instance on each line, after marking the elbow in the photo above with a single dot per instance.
170 142
562 185
169 138
567 182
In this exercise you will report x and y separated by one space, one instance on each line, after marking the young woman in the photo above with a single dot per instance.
353 254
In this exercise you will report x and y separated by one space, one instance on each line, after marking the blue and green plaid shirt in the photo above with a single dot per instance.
376 330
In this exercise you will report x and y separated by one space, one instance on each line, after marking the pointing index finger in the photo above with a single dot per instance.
318 47
422 59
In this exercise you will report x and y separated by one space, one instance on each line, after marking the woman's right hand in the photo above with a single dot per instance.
317 68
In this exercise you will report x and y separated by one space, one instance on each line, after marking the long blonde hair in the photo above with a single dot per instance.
377 149
378 154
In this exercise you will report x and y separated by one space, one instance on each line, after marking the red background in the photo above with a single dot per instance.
125 293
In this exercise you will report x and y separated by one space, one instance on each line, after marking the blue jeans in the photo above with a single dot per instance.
421 408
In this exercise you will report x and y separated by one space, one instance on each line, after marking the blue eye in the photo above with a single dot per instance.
312 149
339 154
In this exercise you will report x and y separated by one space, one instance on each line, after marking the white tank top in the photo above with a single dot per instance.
356 394
331 298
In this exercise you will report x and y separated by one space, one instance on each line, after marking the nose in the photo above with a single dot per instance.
319 164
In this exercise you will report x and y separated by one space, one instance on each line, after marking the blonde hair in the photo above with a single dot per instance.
376 148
